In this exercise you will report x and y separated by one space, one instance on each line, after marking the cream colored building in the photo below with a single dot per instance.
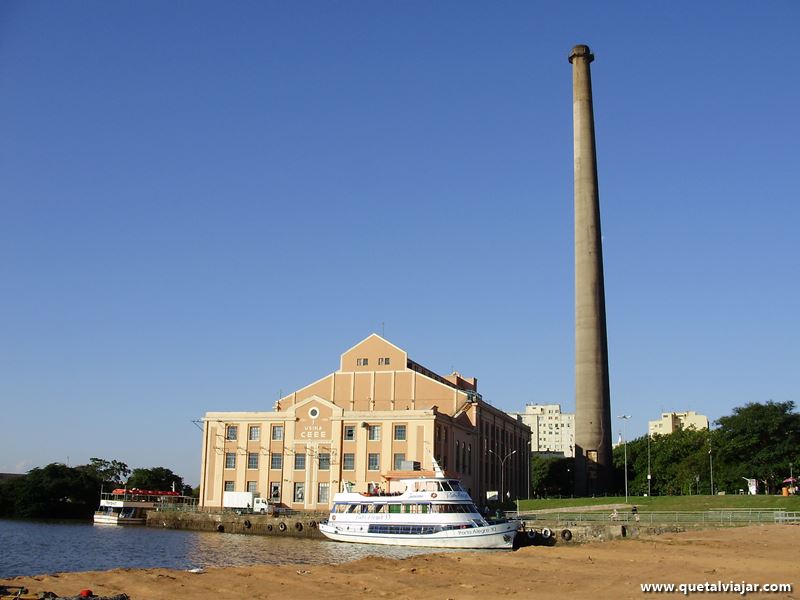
672 421
552 431
370 420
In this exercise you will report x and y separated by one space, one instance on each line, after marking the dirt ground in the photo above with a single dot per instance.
759 554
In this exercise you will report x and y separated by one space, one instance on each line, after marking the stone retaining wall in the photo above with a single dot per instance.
297 525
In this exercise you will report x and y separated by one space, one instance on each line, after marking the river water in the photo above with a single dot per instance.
35 548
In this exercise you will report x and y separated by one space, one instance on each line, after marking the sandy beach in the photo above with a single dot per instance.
759 554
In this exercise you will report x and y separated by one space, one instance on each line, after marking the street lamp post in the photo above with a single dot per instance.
624 418
502 469
649 474
711 469
529 470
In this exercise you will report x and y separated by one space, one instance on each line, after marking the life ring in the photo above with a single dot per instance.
282 526
221 528
566 535
333 517
298 526
433 495
312 524
247 524
269 527
546 533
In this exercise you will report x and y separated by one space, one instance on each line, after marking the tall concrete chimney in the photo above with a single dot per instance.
592 396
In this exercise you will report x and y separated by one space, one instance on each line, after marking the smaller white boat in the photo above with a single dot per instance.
130 506
433 511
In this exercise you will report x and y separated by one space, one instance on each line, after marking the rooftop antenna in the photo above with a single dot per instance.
383 333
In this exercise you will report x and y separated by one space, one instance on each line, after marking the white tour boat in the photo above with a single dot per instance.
130 506
433 511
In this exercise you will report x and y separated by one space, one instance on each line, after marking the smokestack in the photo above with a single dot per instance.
592 396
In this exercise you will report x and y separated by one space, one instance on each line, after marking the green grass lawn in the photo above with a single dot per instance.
670 503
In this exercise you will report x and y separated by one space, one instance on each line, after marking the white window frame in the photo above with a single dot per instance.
377 457
374 433
352 457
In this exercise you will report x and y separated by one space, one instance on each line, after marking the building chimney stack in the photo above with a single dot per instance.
592 395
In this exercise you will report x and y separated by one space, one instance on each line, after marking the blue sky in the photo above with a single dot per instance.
203 204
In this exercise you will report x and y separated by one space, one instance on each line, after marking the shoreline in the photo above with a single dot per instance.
612 569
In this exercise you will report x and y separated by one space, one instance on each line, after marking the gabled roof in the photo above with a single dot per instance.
369 337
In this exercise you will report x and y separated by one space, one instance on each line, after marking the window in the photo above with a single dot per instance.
324 461
299 490
252 486
228 486
373 461
362 362
384 361
323 494
254 433
348 461
230 460
299 462
276 461
275 491
400 433
277 432
231 432
349 433
374 433
252 460
398 461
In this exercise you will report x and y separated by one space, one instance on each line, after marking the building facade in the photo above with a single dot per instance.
552 431
379 415
672 421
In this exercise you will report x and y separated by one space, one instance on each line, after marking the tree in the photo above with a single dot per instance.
676 460
156 478
110 474
756 441
551 475
56 491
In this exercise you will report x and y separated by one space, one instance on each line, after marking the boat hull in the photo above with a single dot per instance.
494 536
117 520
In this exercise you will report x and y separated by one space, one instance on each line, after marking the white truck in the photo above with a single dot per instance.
245 502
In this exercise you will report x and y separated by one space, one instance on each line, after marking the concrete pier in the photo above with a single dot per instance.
592 396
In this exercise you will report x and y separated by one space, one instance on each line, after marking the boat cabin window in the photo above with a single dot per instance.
445 486
455 508
417 508
352 508
394 508
339 508
456 486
